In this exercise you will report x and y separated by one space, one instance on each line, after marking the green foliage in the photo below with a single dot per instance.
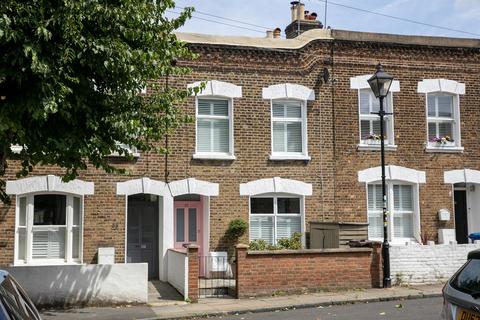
237 228
292 243
70 76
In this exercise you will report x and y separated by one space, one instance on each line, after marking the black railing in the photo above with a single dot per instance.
216 277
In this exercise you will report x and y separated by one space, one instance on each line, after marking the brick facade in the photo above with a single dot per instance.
267 273
332 137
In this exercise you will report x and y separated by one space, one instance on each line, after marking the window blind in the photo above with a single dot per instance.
261 228
287 226
213 133
375 211
49 244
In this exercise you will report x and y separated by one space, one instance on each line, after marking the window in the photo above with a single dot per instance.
370 123
400 204
441 119
275 217
214 127
442 109
288 128
49 228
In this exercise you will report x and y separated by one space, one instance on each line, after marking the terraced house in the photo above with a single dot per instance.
283 136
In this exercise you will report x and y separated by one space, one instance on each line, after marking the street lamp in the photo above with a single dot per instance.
380 83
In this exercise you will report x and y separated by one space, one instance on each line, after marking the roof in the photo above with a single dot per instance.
327 34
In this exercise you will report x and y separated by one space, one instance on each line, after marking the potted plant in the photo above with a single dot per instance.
372 138
442 140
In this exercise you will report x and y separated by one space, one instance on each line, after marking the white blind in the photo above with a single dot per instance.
287 226
287 127
403 211
48 244
213 133
261 228
375 211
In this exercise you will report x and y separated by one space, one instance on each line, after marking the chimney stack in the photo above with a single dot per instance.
301 20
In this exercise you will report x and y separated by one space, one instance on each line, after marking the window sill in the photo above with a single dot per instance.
47 263
376 147
213 156
277 157
446 149
117 155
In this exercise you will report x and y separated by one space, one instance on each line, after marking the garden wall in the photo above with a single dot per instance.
262 273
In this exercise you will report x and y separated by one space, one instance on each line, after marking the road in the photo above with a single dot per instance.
425 309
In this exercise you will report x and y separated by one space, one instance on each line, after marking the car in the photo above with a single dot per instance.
14 302
461 294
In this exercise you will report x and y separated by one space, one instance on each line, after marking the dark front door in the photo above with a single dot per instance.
461 222
142 232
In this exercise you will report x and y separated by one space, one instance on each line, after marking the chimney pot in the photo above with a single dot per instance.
269 34
293 10
276 33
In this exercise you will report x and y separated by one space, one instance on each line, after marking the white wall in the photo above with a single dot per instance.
415 264
178 271
473 207
91 284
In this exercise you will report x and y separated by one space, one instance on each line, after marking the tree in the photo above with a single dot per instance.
70 76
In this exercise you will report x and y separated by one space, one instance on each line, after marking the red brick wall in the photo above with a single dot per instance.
266 273
193 272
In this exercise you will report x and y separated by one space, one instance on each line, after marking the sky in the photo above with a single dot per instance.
461 15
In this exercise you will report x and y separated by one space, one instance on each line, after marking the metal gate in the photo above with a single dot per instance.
217 277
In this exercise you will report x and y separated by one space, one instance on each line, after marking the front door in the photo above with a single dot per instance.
188 224
142 232
461 221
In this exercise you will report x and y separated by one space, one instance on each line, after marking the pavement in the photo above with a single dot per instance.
176 309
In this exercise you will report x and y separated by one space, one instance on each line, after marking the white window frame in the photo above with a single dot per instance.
391 210
275 213
303 155
389 119
215 155
456 145
29 230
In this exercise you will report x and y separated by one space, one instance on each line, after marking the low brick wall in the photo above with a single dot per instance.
423 264
267 272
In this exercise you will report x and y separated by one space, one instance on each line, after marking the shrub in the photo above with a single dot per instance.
237 228
292 243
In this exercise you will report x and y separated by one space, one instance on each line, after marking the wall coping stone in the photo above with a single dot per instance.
309 251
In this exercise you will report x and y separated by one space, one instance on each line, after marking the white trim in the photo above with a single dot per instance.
213 156
49 183
278 157
375 147
462 176
231 141
15 148
391 173
360 82
303 120
192 185
29 229
172 189
218 88
142 185
440 85
275 185
444 149
288 91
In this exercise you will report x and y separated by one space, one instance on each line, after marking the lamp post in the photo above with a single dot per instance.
380 83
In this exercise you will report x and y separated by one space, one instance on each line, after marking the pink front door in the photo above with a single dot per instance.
188 224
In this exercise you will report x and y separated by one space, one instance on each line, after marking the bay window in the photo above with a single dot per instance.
49 228
274 217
